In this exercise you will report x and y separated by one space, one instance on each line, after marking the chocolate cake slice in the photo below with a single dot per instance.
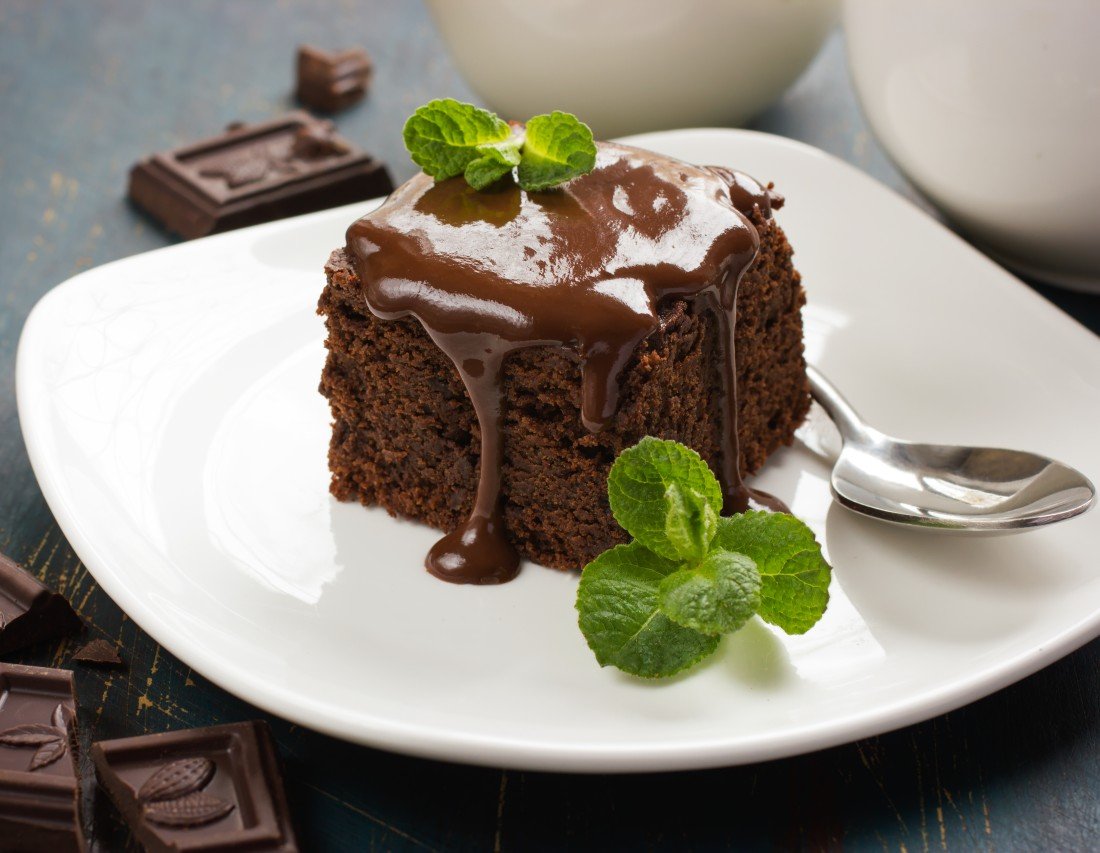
490 353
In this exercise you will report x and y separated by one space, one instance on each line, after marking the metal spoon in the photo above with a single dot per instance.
943 486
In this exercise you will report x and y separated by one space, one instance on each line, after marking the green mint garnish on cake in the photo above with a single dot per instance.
556 148
447 138
661 604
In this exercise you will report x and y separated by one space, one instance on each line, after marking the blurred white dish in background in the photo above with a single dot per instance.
628 65
992 108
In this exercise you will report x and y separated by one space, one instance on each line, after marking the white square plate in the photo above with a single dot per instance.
169 404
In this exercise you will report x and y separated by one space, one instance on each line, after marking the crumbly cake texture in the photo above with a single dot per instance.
405 436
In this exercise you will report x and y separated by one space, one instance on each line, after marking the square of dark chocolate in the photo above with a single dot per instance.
39 785
217 788
331 82
255 173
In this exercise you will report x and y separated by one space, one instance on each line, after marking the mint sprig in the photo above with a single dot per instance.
447 138
660 604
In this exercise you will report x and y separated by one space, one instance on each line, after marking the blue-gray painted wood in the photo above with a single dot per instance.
89 86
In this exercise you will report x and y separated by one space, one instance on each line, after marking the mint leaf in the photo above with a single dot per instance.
643 503
719 596
690 522
495 162
794 576
445 136
619 616
558 147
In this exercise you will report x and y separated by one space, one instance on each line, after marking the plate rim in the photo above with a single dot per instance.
387 733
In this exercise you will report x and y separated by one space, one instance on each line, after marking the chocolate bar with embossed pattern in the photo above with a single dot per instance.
255 173
39 785
217 788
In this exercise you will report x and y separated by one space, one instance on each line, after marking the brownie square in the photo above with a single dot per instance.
405 436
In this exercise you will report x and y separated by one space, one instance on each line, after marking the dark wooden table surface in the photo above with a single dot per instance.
86 88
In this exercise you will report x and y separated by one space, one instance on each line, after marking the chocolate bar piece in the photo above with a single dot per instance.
331 82
99 653
39 786
255 173
29 612
217 788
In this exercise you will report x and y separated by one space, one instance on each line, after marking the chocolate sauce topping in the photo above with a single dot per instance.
584 267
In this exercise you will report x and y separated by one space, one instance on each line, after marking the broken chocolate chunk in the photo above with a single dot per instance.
331 82
199 789
99 653
30 612
255 173
39 785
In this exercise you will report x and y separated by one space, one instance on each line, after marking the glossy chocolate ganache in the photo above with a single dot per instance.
583 266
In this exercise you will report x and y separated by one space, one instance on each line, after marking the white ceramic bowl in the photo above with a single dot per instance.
630 65
992 108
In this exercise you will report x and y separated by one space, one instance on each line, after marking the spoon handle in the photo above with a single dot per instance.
847 422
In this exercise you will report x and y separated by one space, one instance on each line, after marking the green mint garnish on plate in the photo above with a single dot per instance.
620 615
664 495
447 138
794 577
661 604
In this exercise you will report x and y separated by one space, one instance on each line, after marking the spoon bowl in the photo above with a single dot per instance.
946 487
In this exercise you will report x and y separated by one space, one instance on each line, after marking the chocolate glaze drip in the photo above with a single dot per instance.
583 266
